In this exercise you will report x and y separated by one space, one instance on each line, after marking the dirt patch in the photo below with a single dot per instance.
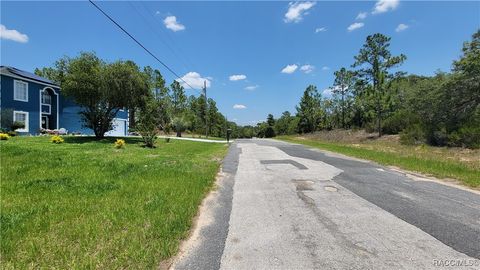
204 217
302 185
340 135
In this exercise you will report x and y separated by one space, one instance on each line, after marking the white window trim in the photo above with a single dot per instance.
25 129
15 89
46 94
40 106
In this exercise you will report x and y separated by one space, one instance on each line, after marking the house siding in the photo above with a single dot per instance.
70 117
68 111
32 106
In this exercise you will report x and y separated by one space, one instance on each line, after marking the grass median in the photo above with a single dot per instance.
441 162
84 204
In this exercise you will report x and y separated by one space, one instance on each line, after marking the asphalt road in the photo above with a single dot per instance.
284 206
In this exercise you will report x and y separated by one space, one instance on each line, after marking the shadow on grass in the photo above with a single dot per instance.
106 140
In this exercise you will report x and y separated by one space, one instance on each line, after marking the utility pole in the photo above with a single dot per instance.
206 107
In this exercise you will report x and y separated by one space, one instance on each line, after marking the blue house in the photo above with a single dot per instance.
39 104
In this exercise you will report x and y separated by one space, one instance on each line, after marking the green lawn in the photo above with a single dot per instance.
436 161
84 204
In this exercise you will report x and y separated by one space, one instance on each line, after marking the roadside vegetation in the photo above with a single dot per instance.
373 94
432 123
461 164
83 203
376 96
104 88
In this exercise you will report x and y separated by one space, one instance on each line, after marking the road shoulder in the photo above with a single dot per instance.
203 248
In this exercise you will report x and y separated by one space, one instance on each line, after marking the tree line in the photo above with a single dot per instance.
440 110
102 89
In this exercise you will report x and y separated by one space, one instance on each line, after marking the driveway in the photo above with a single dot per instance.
284 206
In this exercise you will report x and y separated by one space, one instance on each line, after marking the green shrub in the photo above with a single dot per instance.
413 134
437 137
371 127
465 137
269 132
179 125
399 121
12 133
16 125
6 119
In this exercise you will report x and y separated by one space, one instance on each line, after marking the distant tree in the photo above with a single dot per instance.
261 129
156 85
283 125
216 121
158 90
342 86
269 130
309 110
243 131
463 91
149 122
375 61
179 125
178 98
197 113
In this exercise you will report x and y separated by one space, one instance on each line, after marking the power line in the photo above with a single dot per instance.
169 36
154 30
141 45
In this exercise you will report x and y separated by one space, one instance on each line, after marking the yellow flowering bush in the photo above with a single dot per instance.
4 136
119 143
56 139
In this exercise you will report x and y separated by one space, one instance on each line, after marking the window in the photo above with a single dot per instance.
46 98
46 109
20 91
22 117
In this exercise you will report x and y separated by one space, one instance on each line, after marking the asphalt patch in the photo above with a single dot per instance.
285 161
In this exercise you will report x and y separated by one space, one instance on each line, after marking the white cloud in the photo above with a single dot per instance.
307 68
157 12
327 92
385 5
172 24
289 69
296 10
325 68
361 16
12 34
195 80
251 87
237 77
401 27
355 26
239 107
320 29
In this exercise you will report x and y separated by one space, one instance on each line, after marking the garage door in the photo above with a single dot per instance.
119 128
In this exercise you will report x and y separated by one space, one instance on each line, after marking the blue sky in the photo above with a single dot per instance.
308 41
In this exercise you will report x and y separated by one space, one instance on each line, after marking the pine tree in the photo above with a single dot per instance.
309 110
